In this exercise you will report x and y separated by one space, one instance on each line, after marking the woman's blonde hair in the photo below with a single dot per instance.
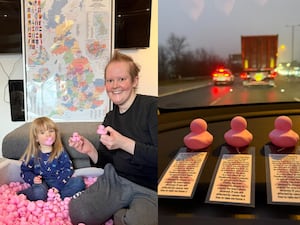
33 148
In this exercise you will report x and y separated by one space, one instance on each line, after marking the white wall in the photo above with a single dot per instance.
147 58
11 67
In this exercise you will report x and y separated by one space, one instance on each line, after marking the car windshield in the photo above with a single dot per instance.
257 40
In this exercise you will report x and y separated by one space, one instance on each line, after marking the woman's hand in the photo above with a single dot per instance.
83 145
80 143
114 140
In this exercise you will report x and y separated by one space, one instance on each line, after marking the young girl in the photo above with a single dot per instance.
46 165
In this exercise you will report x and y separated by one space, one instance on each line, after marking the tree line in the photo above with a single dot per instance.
176 61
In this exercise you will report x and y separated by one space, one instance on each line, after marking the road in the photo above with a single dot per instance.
204 93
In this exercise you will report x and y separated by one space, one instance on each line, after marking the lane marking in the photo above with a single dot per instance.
183 90
215 101
297 99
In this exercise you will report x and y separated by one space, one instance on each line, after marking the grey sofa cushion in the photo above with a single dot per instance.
15 142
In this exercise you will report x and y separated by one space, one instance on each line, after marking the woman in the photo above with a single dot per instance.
127 152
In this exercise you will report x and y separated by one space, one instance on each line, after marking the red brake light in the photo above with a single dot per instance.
243 75
273 74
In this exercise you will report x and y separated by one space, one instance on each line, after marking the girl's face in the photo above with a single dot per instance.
46 137
119 85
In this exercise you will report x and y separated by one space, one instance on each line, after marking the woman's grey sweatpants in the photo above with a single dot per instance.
112 195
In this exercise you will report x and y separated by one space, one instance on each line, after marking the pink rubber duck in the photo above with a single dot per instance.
101 129
19 210
199 138
75 137
282 135
238 136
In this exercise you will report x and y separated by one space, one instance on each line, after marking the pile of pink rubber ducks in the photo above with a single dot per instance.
17 210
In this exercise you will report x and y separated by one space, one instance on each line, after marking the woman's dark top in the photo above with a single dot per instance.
139 123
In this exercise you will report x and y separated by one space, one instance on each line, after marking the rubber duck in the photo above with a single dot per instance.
75 137
238 136
101 129
282 135
199 138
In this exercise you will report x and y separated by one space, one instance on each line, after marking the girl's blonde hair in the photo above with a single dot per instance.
32 150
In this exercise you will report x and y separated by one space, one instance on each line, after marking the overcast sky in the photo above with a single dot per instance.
217 25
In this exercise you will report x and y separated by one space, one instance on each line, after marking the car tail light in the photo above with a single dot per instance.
273 74
243 75
216 74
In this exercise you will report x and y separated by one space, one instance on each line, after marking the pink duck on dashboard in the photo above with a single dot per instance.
282 135
238 136
199 138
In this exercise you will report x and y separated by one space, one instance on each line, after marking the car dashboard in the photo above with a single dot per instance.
174 125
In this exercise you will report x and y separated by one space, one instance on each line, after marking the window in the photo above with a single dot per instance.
257 40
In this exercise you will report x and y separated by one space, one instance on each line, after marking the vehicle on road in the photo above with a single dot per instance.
259 56
222 76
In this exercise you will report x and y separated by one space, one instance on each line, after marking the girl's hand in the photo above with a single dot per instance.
55 190
37 180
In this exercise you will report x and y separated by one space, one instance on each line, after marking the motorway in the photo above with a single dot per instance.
205 93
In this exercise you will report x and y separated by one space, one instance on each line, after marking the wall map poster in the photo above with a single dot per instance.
67 45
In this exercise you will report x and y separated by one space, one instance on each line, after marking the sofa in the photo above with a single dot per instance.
15 142
13 146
